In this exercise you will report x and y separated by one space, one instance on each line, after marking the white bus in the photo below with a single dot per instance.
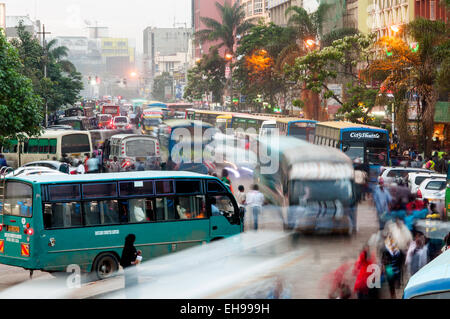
51 145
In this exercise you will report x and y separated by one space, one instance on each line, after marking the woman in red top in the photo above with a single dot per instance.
362 273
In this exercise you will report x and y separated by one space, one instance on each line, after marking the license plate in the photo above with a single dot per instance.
142 159
75 155
12 229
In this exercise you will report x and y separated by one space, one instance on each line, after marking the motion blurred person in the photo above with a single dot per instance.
93 165
241 196
382 199
255 201
417 255
361 288
226 180
392 259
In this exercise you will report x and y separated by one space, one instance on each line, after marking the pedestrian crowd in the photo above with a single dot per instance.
439 161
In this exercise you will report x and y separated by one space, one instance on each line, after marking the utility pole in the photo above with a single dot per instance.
44 45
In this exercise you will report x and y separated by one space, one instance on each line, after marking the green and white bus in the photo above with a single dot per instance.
49 223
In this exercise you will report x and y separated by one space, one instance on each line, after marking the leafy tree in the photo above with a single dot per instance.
62 84
20 107
207 76
424 71
159 86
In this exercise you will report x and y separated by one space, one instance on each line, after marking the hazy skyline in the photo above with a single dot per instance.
124 18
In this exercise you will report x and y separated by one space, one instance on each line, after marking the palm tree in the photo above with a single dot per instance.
227 30
59 55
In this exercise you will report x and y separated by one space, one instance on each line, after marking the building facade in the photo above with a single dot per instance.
255 9
2 18
12 22
277 10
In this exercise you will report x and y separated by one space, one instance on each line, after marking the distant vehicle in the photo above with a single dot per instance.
267 128
415 179
33 170
391 174
113 110
430 186
60 127
104 120
150 124
100 136
52 143
121 122
80 123
74 111
131 149
59 166
431 281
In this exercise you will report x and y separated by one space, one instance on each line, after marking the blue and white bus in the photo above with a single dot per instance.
365 144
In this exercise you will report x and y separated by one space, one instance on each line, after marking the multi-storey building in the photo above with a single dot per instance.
277 10
255 9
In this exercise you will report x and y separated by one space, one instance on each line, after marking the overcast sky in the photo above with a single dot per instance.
127 18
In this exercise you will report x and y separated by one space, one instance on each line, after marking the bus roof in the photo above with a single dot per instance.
181 122
122 136
431 278
348 125
294 119
304 151
123 176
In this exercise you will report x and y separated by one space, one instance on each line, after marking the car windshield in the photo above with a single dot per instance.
140 148
303 192
435 185
152 122
105 118
120 120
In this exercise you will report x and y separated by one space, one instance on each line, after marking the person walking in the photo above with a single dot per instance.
226 180
382 199
361 288
241 196
255 201
417 255
114 166
92 165
80 167
392 259
128 262
3 161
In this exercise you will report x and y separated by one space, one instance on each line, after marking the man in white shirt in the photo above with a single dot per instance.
80 168
255 201
92 164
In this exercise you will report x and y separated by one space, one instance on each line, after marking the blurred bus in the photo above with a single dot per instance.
51 144
367 144
154 104
200 135
295 127
74 111
312 185
49 223
99 137
130 149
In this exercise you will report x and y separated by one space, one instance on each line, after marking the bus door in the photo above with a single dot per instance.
17 227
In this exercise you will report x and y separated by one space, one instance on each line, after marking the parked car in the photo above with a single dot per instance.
429 188
415 179
59 166
33 170
391 174
121 122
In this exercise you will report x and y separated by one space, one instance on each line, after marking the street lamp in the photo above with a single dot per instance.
395 28
228 56
310 43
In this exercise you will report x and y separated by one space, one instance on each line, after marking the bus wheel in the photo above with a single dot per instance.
105 265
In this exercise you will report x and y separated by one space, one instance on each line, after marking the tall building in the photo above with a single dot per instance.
277 10
165 49
255 9
204 8
12 22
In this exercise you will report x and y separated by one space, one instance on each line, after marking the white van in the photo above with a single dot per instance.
267 128
134 152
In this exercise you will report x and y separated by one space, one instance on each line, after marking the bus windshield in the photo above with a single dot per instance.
140 147
18 199
355 150
376 153
75 143
152 121
304 191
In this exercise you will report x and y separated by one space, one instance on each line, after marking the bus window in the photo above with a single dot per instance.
138 210
140 148
190 207
101 213
18 199
62 215
43 146
64 192
164 187
75 143
355 150
187 187
33 146
165 209
221 205
52 146
376 153
136 188
10 146
215 187
99 190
